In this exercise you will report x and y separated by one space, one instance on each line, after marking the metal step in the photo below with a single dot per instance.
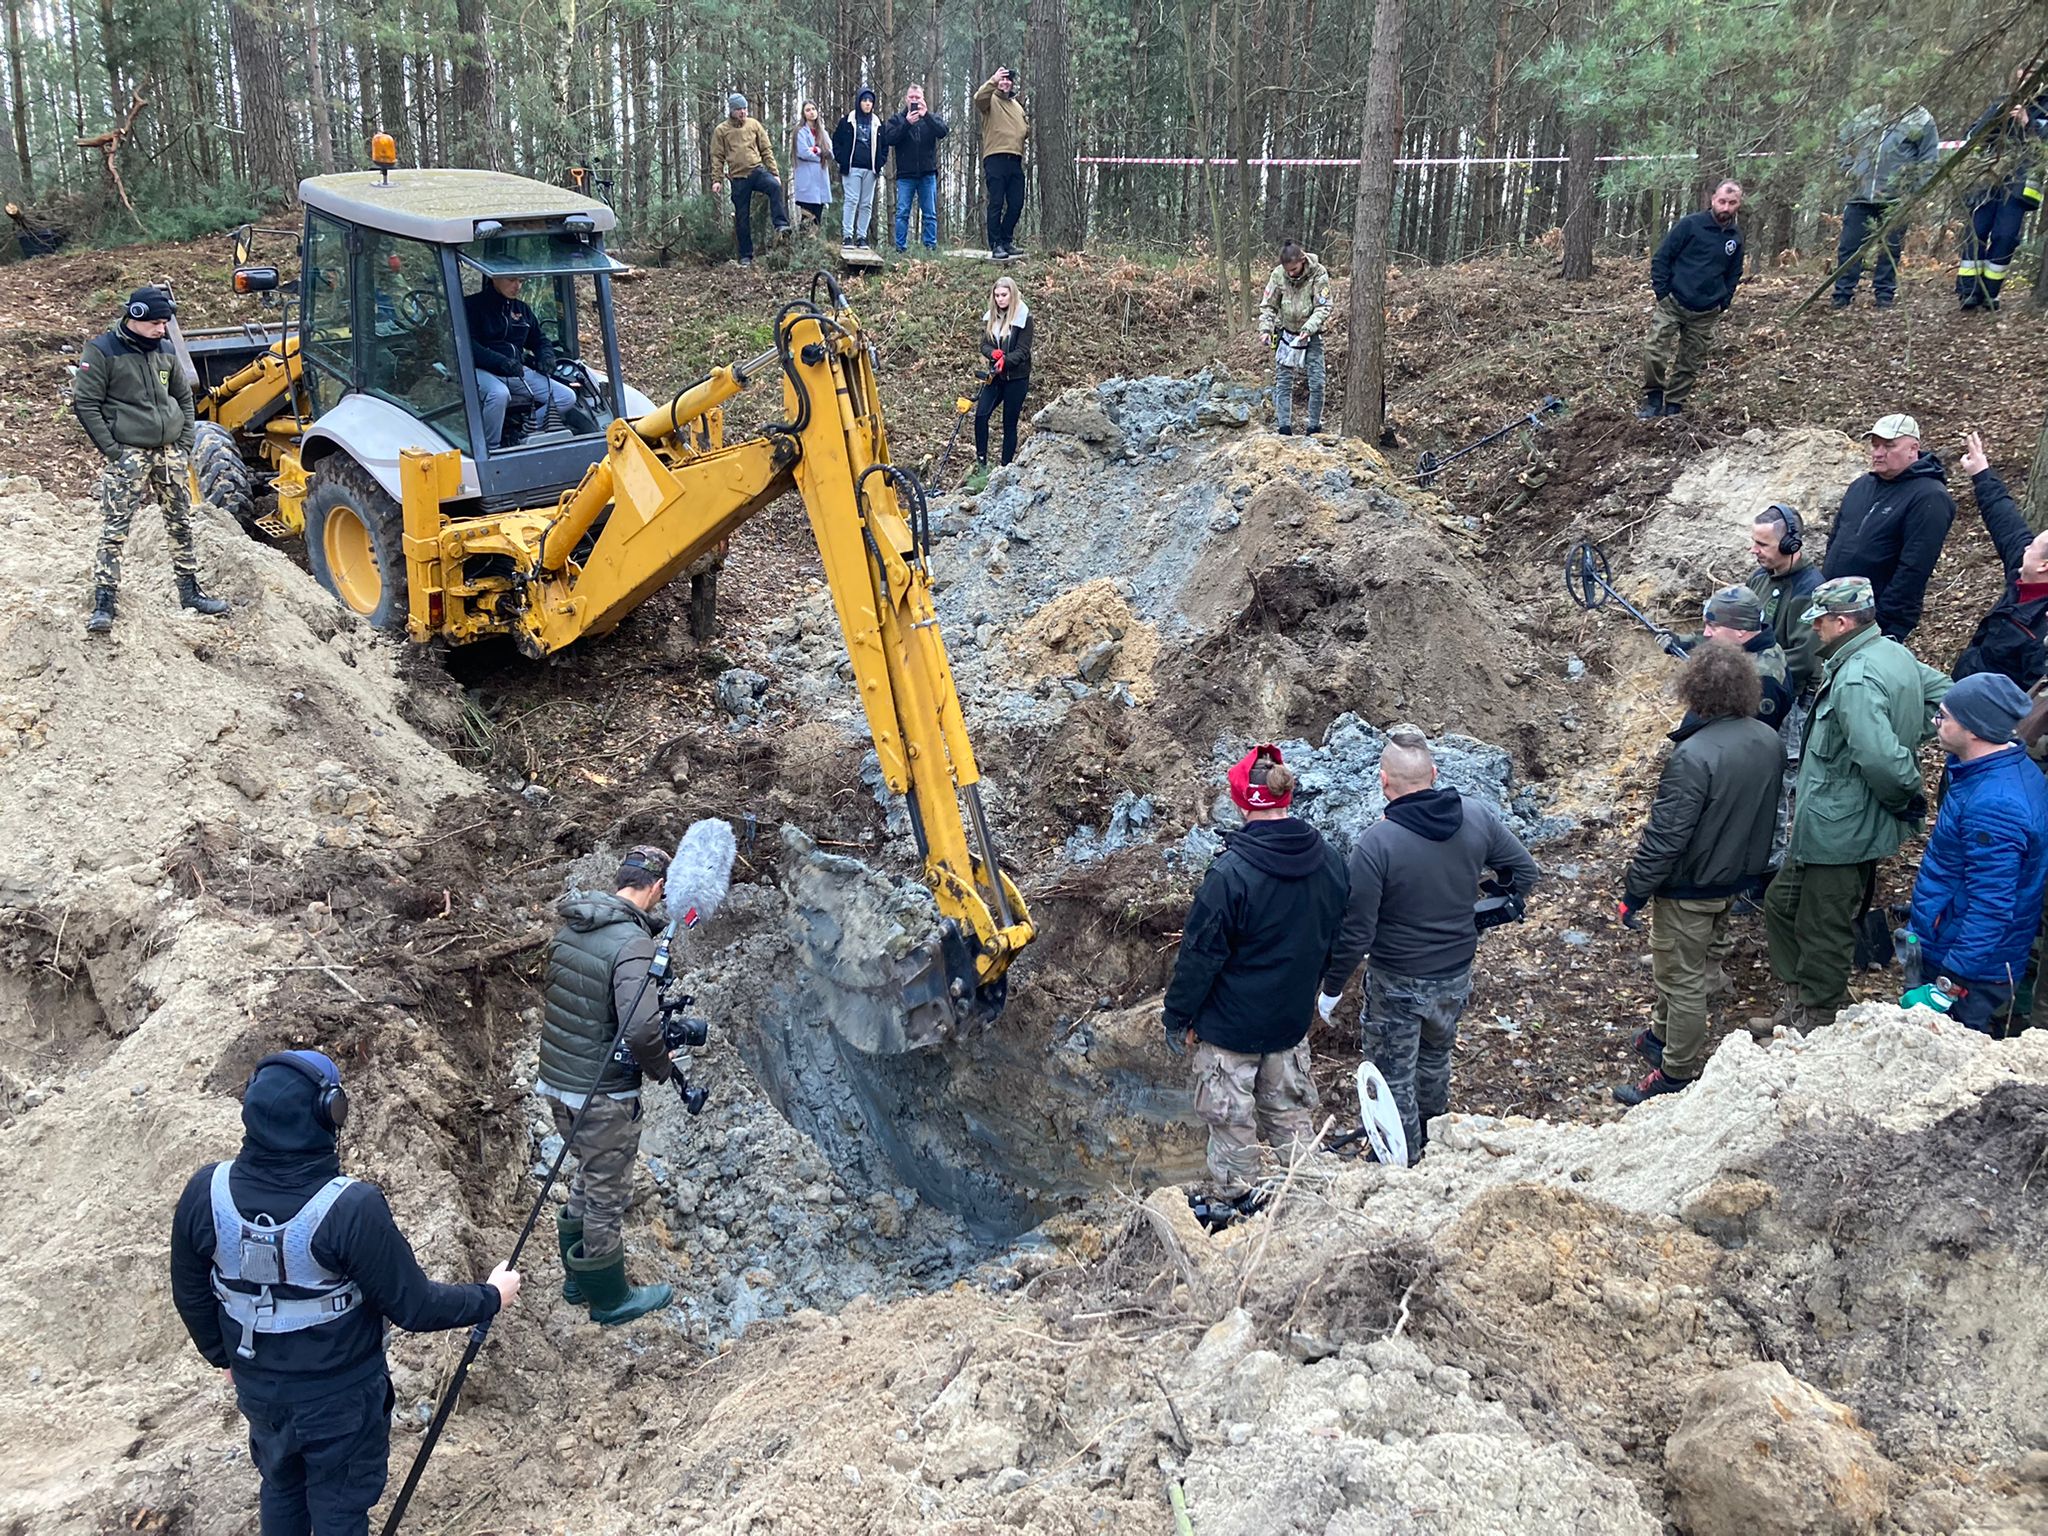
274 526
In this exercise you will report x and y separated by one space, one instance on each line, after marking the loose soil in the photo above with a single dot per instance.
958 1290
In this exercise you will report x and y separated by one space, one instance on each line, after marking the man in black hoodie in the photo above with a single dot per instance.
1243 985
1414 880
1892 524
286 1272
1693 275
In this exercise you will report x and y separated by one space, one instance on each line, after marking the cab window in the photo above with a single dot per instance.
329 320
411 334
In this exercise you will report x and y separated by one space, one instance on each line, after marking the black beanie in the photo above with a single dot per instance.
150 303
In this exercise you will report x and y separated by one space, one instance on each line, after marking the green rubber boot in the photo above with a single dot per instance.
568 1233
612 1300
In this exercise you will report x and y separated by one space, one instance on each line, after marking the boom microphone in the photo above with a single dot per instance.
700 874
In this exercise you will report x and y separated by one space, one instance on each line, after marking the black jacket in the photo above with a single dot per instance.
1699 263
1892 532
1785 601
2009 638
916 145
1414 879
857 145
1016 351
2009 159
505 336
286 1158
1256 939
1710 827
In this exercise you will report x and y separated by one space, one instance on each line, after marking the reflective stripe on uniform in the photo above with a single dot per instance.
1970 269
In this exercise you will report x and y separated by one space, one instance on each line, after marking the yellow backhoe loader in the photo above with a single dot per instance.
453 503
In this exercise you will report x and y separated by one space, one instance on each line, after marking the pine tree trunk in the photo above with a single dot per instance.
1049 70
117 98
1581 198
1365 377
18 87
474 141
2036 507
316 80
266 123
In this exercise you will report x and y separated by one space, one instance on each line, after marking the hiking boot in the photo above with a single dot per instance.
1312 429
977 478
1650 1048
1838 302
746 261
1652 406
1650 1087
191 597
568 1233
612 1300
1719 983
1886 303
1807 1020
102 618
1673 408
1285 431
1011 253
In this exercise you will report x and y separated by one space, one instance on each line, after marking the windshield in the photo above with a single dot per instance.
536 256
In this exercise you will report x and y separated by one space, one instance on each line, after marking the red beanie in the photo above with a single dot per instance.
1247 796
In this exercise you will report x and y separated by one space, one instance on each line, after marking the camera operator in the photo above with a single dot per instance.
598 975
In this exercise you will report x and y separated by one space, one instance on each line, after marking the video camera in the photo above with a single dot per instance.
679 1032
1500 903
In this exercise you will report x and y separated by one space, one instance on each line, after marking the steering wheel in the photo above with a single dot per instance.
417 308
570 371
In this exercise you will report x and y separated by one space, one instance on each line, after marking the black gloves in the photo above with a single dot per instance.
1914 810
1176 1037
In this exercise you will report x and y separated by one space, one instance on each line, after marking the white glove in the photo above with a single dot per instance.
1326 1004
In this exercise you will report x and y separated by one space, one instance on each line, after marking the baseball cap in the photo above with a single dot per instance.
1736 607
643 860
1845 594
1898 424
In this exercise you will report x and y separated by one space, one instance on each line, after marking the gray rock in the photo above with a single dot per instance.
1096 661
740 691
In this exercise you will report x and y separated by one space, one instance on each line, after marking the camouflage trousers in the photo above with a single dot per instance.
1679 339
602 1156
1407 1028
139 473
1245 1100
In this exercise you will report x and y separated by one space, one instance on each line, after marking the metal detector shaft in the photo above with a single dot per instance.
1589 582
1429 466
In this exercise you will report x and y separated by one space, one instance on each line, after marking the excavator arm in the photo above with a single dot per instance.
668 491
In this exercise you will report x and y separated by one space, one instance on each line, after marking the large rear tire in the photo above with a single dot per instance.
355 542
224 479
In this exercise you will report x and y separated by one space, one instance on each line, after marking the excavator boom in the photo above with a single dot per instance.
668 491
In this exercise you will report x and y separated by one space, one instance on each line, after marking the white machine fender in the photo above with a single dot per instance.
374 432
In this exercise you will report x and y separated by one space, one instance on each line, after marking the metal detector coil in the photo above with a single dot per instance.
1589 582
1429 466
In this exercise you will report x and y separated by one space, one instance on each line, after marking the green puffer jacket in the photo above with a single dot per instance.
597 966
130 393
1874 709
1299 309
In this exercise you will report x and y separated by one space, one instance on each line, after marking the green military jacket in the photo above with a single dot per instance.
128 394
1874 709
1300 309
1784 598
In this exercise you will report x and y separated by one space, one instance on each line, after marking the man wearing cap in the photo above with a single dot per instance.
1693 275
1733 617
1708 840
599 990
742 156
286 1274
135 403
1977 901
1244 984
2009 639
857 146
1859 797
1256 938
1892 524
1414 880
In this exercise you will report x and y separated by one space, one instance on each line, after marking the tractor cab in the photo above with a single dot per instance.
459 309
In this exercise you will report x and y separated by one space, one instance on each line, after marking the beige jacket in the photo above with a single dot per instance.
736 148
1004 127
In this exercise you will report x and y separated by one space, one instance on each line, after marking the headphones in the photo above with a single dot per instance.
330 1107
1793 539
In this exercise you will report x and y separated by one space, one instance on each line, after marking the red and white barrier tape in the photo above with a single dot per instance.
1464 160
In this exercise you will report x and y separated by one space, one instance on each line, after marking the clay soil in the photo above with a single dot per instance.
332 840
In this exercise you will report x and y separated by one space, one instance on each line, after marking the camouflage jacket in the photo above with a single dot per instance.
1299 309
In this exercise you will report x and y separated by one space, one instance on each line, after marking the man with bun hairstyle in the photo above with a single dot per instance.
1414 880
599 973
286 1274
135 403
1243 988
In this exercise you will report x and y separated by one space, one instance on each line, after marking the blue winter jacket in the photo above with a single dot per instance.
1977 902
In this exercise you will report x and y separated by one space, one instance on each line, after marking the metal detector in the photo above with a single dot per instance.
1589 582
1429 466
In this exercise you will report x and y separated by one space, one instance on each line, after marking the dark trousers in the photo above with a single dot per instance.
1987 1008
1006 390
1810 913
1988 248
760 179
1859 222
1004 175
323 1460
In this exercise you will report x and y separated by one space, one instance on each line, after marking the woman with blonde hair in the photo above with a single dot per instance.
811 187
1006 347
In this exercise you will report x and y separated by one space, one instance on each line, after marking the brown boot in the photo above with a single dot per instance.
1786 1016
1811 1019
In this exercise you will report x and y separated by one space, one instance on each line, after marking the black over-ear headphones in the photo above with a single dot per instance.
1793 539
330 1107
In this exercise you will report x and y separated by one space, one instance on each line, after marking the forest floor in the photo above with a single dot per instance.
366 842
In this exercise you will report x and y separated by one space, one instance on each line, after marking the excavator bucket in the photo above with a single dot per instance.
936 982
